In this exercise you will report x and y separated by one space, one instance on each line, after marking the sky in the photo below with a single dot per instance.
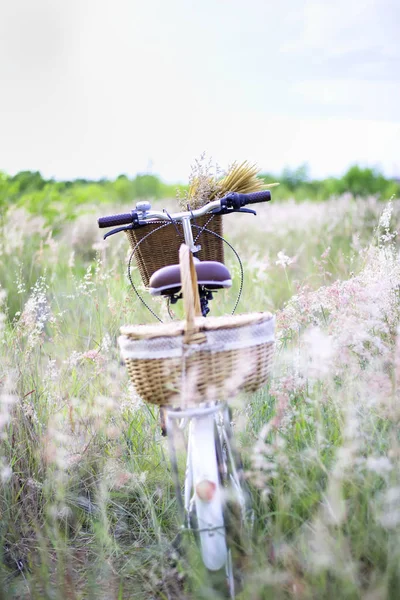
93 88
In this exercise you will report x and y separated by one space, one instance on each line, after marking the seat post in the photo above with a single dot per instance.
205 296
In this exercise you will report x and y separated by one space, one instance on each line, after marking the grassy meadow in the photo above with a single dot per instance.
86 502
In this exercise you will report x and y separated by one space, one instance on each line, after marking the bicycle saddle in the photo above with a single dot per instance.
210 274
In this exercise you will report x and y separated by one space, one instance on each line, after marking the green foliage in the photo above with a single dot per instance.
292 178
28 181
361 182
60 201
146 186
356 181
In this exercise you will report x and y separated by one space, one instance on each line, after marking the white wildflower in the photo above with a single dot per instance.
284 260
5 473
52 371
389 511
73 359
384 221
106 343
36 313
379 464
319 352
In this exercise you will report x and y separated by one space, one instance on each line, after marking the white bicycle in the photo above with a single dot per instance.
186 368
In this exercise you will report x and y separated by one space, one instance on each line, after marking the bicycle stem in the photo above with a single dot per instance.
187 232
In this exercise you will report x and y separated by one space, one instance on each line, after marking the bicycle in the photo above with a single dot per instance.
172 366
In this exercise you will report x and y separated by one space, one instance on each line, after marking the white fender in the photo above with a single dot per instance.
209 513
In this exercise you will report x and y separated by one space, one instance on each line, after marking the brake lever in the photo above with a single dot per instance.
228 211
247 210
125 228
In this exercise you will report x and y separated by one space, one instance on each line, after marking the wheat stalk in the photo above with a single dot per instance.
242 178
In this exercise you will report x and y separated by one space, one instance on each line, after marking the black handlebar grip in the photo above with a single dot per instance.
236 201
255 197
113 220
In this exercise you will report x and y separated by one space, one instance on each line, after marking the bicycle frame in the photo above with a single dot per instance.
212 468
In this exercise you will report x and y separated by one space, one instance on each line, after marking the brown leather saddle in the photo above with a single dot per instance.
211 275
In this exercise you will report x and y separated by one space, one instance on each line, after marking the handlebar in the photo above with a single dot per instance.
114 220
230 203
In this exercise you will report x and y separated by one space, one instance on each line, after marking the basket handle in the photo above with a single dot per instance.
191 300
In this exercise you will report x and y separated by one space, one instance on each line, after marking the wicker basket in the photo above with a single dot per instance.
198 360
162 248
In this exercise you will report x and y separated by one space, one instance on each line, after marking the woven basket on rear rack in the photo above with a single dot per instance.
162 248
199 359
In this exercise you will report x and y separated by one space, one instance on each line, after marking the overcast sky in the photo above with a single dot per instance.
90 88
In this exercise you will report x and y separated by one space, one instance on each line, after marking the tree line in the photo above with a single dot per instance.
46 196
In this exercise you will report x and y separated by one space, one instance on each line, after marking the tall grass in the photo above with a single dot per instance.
86 496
